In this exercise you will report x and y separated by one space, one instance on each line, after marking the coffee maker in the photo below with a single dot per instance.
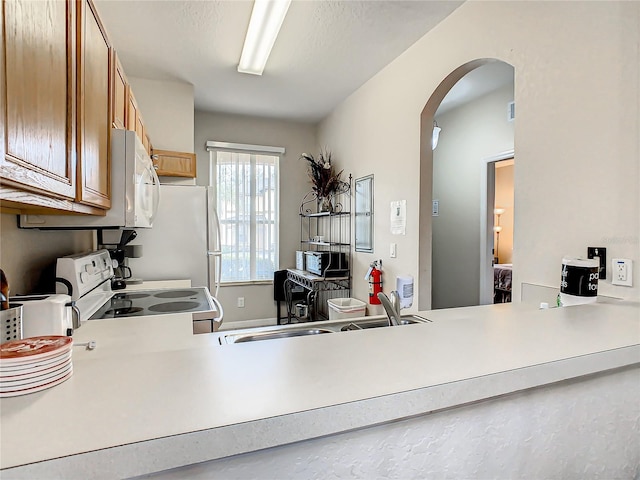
116 242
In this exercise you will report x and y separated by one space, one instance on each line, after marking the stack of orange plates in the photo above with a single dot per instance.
33 364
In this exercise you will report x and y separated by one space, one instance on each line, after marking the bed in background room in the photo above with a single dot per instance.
502 282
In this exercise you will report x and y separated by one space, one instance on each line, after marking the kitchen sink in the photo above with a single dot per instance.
381 322
270 335
332 326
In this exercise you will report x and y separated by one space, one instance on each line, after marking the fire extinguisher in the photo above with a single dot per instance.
374 275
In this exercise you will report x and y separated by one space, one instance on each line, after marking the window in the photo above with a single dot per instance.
247 196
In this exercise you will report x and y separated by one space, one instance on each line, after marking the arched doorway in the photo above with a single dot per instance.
459 253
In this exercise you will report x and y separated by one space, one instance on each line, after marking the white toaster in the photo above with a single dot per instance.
47 314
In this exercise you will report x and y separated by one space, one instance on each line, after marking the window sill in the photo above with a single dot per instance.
247 283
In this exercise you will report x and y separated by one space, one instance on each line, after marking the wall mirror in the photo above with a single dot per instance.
364 214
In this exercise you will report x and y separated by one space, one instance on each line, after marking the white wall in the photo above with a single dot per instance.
296 138
576 134
470 134
24 254
167 111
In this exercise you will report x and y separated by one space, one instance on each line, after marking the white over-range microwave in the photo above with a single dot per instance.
135 191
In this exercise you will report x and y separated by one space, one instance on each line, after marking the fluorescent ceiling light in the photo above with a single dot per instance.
266 19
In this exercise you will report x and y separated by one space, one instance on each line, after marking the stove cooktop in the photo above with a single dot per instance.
156 302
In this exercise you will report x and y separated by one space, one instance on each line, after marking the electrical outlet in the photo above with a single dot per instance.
240 302
622 272
601 254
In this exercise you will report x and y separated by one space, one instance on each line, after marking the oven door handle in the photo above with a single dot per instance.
218 320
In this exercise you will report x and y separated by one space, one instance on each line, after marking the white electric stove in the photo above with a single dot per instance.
87 278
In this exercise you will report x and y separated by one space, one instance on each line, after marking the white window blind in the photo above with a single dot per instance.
247 198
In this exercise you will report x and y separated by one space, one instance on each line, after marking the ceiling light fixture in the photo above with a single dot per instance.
435 135
266 19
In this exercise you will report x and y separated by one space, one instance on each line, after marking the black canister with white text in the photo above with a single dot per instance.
579 283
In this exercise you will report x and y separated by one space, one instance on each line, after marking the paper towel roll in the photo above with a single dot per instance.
579 283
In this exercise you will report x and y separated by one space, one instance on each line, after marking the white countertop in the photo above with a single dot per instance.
152 396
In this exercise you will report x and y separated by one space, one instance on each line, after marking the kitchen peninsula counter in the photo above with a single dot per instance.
152 396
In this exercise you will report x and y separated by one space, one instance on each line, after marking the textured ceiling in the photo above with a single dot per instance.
325 51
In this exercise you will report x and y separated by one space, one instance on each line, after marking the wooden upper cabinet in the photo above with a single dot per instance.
132 111
120 95
140 132
94 108
135 122
174 164
134 119
38 109
145 142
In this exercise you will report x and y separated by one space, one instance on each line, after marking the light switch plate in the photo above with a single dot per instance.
601 254
622 272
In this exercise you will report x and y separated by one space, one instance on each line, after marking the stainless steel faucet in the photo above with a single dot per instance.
391 306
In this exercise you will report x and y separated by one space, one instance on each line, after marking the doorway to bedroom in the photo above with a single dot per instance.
501 231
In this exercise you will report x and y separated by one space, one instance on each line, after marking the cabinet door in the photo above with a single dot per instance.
132 111
120 95
174 164
139 126
94 125
134 118
145 142
38 112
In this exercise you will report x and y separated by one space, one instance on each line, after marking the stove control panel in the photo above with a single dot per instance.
80 274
